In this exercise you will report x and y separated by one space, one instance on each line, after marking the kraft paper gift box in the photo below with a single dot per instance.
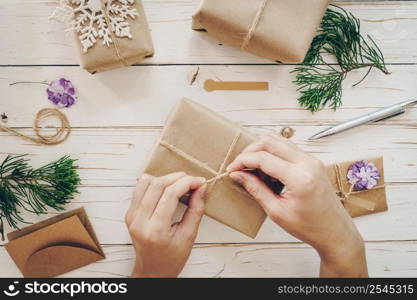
128 40
280 30
363 202
55 246
200 142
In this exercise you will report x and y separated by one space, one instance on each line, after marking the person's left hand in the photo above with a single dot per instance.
162 248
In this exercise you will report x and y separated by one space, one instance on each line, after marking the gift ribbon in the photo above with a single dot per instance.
254 25
217 175
59 137
345 197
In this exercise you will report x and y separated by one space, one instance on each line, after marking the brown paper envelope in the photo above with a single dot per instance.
207 136
284 32
375 196
51 249
100 58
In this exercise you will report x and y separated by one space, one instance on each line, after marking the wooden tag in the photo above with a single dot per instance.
211 85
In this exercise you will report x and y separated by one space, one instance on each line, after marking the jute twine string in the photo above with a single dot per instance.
217 175
61 134
344 197
254 25
113 36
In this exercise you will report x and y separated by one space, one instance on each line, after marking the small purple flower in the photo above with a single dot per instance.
61 92
363 175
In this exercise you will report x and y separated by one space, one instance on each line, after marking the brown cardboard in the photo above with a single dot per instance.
360 202
280 30
100 58
211 85
55 246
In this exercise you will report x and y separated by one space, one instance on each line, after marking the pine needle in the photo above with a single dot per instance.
34 190
319 81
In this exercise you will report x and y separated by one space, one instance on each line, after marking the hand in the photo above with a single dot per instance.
308 208
162 248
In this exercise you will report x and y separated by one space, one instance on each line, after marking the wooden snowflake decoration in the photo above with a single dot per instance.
97 19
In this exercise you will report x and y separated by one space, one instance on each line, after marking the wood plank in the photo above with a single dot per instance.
113 157
28 37
144 95
385 259
107 206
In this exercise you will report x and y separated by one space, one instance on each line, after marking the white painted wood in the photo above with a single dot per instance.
144 95
385 259
114 157
106 207
28 37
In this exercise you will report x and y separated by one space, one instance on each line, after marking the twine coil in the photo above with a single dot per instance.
61 134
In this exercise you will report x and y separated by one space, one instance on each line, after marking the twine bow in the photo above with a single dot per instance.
345 197
217 174
254 25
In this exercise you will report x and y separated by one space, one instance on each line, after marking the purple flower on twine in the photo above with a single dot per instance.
61 92
363 175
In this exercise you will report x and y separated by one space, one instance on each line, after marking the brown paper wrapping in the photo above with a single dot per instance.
280 30
55 246
101 58
359 203
207 138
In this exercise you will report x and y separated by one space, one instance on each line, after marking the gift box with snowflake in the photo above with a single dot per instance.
109 33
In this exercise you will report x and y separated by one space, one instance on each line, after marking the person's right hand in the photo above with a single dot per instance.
308 208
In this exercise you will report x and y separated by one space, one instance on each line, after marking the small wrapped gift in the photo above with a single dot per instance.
360 185
108 33
200 142
281 30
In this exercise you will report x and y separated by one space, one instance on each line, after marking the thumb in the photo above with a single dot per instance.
258 190
192 216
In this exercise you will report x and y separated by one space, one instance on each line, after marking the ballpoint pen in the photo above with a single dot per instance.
379 115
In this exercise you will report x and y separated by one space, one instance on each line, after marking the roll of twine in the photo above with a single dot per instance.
62 132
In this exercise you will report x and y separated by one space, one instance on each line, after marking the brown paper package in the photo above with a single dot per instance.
360 202
284 30
197 141
55 246
101 58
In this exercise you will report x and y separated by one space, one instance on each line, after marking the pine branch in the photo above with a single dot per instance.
34 190
319 81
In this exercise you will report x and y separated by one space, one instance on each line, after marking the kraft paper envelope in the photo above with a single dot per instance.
55 246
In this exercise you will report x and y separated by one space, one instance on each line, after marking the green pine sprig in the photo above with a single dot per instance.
25 188
320 81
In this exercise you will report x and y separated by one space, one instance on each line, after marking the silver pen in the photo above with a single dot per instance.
379 115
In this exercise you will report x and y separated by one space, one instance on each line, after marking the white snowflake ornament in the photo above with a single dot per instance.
97 19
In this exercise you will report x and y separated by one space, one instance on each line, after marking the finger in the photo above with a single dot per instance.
277 146
154 192
138 193
167 206
191 219
259 191
271 165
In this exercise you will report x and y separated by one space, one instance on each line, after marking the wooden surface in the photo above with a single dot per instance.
120 113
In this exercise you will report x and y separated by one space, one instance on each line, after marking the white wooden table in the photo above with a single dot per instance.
120 113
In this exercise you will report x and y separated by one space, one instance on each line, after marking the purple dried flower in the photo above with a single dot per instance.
61 92
363 175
